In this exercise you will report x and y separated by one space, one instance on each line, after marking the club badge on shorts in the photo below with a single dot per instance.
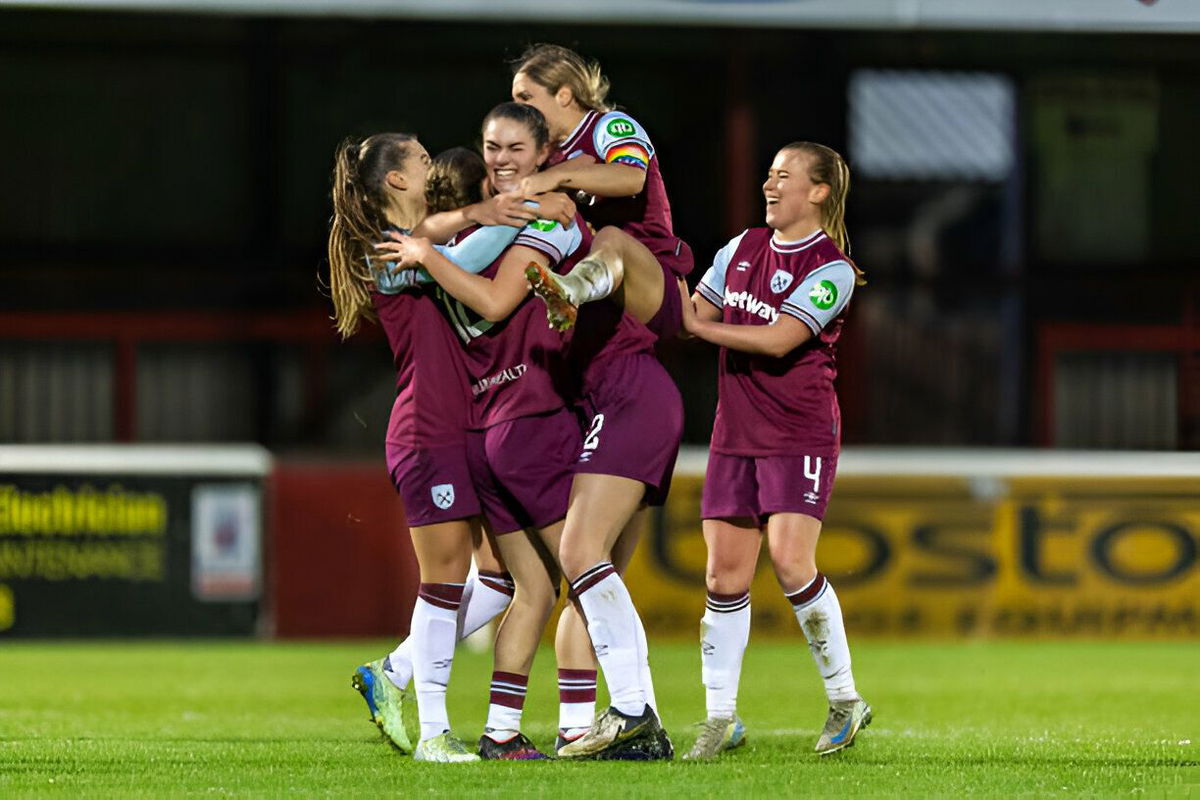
443 495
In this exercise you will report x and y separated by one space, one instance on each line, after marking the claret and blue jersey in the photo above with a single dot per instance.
515 366
617 138
779 406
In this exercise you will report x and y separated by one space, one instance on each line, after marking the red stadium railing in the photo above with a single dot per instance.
1181 340
127 331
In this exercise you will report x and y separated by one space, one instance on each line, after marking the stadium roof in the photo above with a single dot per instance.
1112 16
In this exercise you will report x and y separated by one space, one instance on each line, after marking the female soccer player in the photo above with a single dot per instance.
379 183
454 181
605 157
525 440
774 300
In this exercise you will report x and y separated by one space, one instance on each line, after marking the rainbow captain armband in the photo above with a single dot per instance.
629 153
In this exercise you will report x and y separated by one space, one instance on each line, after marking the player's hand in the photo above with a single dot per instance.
404 252
691 321
539 183
556 206
506 208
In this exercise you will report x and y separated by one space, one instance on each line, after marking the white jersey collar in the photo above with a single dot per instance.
780 246
570 142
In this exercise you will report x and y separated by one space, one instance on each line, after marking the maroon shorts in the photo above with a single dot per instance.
757 487
434 483
522 470
668 320
633 418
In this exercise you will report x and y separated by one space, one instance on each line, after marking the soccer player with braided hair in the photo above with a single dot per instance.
774 300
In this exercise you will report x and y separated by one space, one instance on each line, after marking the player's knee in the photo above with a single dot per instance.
537 599
447 567
606 236
795 574
577 560
724 583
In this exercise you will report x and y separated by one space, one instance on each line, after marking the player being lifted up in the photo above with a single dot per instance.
633 410
774 300
607 160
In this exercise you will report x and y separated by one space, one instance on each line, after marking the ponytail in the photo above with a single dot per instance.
826 166
358 221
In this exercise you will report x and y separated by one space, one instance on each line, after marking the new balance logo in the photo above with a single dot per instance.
750 303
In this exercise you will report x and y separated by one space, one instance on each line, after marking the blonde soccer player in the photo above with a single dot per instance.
774 300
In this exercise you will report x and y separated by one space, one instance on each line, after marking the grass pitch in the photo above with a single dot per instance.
267 719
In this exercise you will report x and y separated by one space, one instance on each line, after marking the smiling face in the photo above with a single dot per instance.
793 200
510 152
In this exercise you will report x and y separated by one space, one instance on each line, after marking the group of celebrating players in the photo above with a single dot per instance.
528 435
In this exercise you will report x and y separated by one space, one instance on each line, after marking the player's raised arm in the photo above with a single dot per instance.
583 174
508 208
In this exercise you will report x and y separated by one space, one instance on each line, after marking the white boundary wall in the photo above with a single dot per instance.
992 463
241 460
252 460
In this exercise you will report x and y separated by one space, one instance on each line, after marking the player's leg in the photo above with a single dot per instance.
537 579
487 592
443 555
600 507
577 671
577 667
618 265
733 545
792 540
622 554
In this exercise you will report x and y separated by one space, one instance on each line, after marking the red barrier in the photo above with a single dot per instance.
342 562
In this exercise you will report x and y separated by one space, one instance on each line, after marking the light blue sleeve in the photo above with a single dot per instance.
473 254
712 285
822 295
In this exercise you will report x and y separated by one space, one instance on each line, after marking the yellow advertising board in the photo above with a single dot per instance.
953 555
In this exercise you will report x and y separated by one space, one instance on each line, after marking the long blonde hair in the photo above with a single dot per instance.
553 66
825 165
359 200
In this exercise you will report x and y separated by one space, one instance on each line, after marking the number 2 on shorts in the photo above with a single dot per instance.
592 440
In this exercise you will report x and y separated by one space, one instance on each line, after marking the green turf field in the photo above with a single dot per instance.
219 719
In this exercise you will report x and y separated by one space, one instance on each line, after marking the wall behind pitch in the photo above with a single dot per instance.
342 562
953 557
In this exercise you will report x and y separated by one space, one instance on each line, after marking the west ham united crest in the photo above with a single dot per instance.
780 281
443 495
